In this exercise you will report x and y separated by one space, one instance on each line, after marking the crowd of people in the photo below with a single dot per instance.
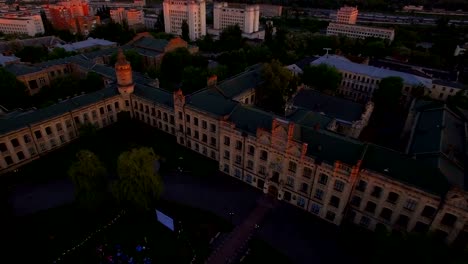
116 254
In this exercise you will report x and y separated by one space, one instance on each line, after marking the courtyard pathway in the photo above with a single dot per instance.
236 242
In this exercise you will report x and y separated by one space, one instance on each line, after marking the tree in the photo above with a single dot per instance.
273 93
388 95
92 82
322 77
268 33
235 61
13 93
231 38
159 25
89 177
172 64
185 31
32 54
139 184
193 79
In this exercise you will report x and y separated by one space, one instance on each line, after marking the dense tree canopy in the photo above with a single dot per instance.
113 32
231 38
185 31
273 93
322 77
13 93
139 184
389 93
89 177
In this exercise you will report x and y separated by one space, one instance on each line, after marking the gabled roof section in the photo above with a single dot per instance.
308 118
19 121
344 64
242 82
330 147
19 69
154 94
331 106
248 119
151 43
402 168
212 101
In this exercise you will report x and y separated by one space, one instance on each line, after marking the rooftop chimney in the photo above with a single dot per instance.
212 80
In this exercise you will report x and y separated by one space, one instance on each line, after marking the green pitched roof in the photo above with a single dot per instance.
154 94
151 43
19 69
248 119
329 147
242 82
400 167
310 119
18 121
211 100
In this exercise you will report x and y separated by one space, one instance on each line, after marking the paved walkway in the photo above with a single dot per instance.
229 250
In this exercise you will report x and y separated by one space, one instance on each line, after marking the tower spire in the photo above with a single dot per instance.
123 72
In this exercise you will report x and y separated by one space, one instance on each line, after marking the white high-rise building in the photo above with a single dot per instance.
246 16
29 25
192 11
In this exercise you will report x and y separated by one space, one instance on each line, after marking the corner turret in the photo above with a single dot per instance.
123 71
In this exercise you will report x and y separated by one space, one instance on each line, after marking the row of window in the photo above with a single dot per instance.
204 123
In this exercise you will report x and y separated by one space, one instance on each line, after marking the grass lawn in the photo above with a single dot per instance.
108 143
261 252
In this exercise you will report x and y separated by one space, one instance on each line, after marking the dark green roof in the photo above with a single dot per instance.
19 121
151 43
248 119
310 119
329 147
19 69
212 101
242 82
402 168
154 94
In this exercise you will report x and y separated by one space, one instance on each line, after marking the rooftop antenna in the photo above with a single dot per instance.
327 49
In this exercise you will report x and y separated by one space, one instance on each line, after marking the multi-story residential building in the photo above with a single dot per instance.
133 17
72 15
347 15
345 25
245 16
329 175
28 25
95 5
191 11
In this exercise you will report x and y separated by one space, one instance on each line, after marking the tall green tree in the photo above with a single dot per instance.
185 31
193 79
231 38
273 93
89 177
13 93
139 184
322 77
159 26
172 64
389 93
32 54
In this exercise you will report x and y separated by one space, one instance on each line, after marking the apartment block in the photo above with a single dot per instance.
245 16
28 25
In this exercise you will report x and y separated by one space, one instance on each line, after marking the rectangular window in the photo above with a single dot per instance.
250 164
315 209
361 186
301 202
339 186
290 181
187 118
213 128
204 124
101 110
356 201
264 155
386 214
238 159
318 194
323 179
195 121
15 142
238 145
251 151
428 212
20 155
392 197
377 192
335 201
8 160
226 154
180 115
227 141
262 170
330 216
304 187
38 134
365 221
292 166
48 131
213 142
370 207
27 138
196 135
58 126
410 204
204 138
307 173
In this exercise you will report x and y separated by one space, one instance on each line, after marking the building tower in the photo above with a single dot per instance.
123 71
192 11
347 15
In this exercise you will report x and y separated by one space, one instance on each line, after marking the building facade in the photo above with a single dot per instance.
345 25
328 175
362 32
72 15
28 25
347 15
245 16
270 10
133 17
191 11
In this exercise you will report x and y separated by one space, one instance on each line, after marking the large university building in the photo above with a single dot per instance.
345 25
329 175
246 16
191 11
28 25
